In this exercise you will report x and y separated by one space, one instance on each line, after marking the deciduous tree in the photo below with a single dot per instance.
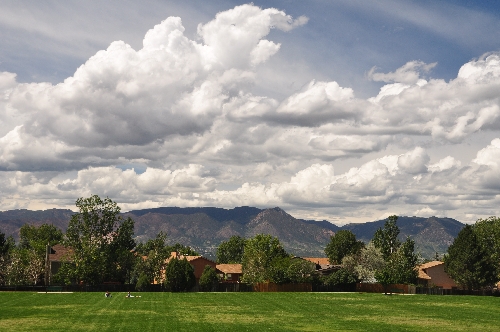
403 263
386 239
260 251
341 279
151 259
301 270
101 239
231 251
366 263
38 237
341 244
30 254
400 267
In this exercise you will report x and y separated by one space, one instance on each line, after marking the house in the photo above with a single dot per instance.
197 262
432 274
230 273
55 256
323 266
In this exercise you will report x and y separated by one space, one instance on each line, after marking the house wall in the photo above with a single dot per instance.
235 277
439 277
199 265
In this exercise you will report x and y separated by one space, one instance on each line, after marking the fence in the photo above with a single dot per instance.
79 288
234 287
262 287
379 288
336 288
455 291
272 287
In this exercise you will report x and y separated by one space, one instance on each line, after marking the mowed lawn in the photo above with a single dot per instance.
23 311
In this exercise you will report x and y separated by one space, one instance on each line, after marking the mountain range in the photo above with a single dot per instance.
204 228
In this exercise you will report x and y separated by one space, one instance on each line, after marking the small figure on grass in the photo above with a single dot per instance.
130 295
108 294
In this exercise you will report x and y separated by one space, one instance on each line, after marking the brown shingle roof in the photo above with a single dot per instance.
430 264
229 268
188 258
423 275
421 269
60 253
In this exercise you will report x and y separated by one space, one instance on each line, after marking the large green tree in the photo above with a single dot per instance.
488 235
151 259
287 269
341 278
26 267
365 264
301 270
231 251
341 244
38 237
30 254
179 275
400 267
102 241
24 264
7 244
209 279
259 254
469 263
400 259
386 239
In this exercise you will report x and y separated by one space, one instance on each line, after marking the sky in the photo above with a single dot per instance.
339 110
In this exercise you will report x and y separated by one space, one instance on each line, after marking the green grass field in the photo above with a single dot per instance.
23 311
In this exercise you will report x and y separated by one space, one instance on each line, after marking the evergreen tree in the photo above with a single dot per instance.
179 275
468 263
209 279
7 244
488 235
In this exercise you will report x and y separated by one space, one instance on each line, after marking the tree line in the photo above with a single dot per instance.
103 250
